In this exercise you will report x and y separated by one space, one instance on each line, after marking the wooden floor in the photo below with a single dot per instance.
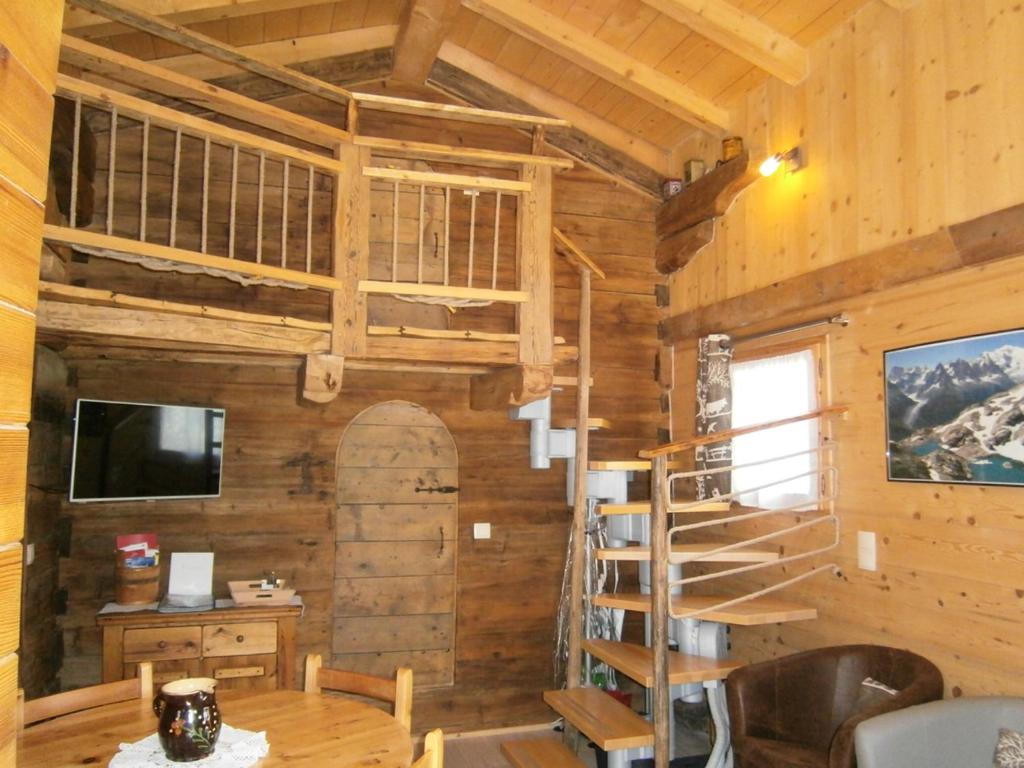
485 751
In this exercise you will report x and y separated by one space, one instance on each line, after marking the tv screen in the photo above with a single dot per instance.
134 451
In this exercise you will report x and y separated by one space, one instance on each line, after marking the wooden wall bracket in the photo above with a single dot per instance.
685 223
505 387
321 377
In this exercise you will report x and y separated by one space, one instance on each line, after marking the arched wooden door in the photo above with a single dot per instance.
395 536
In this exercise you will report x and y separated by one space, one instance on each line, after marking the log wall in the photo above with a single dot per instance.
279 477
29 35
909 123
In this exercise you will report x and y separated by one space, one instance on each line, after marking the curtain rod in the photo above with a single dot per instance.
840 319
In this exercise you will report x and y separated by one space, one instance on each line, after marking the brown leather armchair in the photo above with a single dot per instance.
800 711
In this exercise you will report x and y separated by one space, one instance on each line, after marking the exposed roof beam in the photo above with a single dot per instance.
551 32
85 23
595 142
289 51
141 74
741 33
540 99
121 11
425 25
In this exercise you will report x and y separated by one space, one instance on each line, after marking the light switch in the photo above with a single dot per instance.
481 530
30 554
867 551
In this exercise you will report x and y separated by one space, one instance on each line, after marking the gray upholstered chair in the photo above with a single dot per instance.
957 733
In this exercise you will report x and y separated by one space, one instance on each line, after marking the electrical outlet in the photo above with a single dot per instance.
867 551
481 530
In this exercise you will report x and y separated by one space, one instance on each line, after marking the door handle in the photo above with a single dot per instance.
439 489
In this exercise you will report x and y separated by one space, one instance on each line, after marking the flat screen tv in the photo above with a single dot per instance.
142 451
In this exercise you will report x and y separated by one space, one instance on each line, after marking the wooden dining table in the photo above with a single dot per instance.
303 729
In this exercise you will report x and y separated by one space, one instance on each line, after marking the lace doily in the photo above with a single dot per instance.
235 749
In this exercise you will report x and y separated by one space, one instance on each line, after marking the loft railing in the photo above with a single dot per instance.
149 171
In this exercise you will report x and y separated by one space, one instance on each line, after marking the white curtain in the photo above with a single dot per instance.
767 390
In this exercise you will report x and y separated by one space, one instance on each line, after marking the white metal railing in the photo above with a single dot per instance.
827 484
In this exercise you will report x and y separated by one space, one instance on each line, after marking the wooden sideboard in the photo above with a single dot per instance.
240 647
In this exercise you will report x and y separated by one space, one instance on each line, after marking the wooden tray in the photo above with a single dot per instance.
249 593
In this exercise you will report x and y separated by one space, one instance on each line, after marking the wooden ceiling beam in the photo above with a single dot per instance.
592 140
424 26
123 12
605 61
286 52
85 23
741 33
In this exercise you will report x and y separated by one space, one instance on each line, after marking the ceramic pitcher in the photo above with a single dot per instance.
189 718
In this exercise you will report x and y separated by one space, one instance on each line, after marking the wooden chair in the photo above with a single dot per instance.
433 751
397 691
140 687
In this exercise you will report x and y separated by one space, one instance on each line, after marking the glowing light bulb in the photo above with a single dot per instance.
771 164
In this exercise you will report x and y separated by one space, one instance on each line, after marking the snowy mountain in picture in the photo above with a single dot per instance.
955 410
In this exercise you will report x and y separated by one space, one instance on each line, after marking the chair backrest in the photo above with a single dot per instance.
433 751
140 687
398 690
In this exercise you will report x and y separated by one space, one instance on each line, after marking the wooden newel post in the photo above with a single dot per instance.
534 318
579 510
659 608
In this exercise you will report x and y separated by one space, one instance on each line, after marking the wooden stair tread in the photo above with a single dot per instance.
592 423
540 753
759 610
682 551
644 508
601 718
637 663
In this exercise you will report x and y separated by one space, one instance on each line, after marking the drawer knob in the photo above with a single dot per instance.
162 644
239 638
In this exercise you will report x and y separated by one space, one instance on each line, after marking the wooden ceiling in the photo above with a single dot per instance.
638 76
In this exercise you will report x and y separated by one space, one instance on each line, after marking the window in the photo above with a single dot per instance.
769 387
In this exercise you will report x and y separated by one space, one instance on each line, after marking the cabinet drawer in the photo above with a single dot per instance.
245 672
166 671
162 643
240 639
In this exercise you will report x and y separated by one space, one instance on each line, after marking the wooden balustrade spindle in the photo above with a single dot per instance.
259 207
394 234
73 202
419 250
309 220
206 193
284 214
497 226
472 233
234 201
111 170
175 174
447 228
143 201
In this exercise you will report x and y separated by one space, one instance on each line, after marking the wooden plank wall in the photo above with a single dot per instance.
279 476
908 121
29 33
941 142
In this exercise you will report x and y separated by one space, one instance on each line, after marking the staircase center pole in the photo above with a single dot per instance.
659 609
579 509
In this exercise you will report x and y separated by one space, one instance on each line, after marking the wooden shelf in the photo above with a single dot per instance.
685 223
684 553
637 663
760 610
592 424
540 753
601 718
644 508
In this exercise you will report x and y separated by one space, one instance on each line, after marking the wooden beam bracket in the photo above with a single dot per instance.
321 377
507 387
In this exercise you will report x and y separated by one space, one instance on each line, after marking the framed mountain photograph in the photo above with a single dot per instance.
954 410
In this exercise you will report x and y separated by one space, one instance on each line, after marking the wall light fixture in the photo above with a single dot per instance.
793 160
